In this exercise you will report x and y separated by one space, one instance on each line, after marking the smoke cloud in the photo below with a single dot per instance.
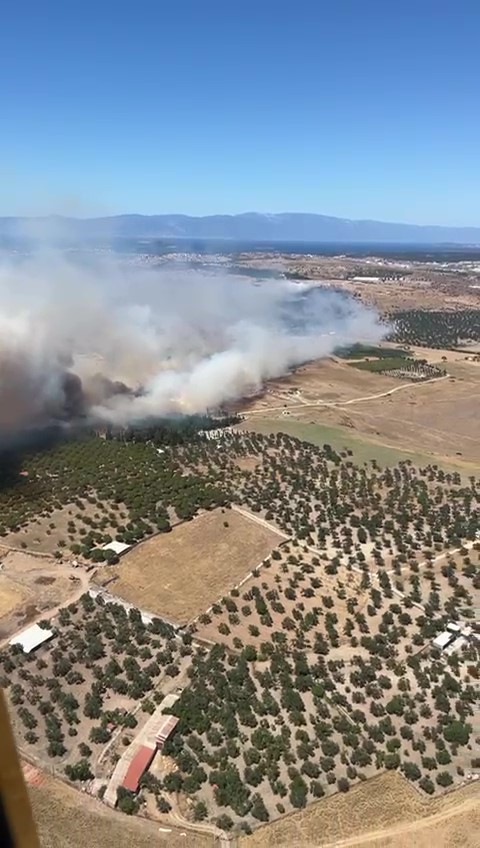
88 338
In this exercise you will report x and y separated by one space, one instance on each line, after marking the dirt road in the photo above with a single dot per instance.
340 404
261 521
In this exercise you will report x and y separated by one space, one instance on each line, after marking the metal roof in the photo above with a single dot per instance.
32 637
117 547
443 639
138 767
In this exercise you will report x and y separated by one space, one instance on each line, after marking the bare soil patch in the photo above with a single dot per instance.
247 463
180 573
28 586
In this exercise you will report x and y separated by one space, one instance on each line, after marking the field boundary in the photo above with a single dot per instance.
428 803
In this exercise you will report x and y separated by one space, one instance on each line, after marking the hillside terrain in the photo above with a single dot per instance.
254 226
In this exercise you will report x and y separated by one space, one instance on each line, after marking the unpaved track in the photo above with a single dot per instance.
198 827
340 403
261 521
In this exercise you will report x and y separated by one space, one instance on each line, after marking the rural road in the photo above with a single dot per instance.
468 545
340 404
260 521
198 827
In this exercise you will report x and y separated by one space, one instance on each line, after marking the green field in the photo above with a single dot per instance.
357 351
341 439
386 363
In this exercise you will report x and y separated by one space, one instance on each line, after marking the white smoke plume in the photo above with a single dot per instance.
74 334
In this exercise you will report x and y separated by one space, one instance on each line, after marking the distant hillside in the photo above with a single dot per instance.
251 226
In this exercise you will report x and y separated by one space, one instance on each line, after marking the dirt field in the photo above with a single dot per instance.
326 380
443 419
385 812
181 573
439 419
30 585
67 819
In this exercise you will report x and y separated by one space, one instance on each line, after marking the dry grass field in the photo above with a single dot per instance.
443 418
181 573
326 380
384 812
437 421
67 819
30 585
12 596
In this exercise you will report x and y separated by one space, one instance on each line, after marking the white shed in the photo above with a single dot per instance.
443 639
116 547
32 638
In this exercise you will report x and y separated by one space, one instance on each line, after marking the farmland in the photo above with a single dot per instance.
30 585
100 664
314 585
209 555
79 494
388 414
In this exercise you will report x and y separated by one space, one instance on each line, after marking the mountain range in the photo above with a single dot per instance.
250 226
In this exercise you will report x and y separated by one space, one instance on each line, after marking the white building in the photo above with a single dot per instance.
443 639
32 638
457 645
117 547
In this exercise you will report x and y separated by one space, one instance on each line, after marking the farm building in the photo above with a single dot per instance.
32 638
443 639
458 644
138 767
117 547
165 730
454 638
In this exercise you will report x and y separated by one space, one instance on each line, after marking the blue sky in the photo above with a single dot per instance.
357 108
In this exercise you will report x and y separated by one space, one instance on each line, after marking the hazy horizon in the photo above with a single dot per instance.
207 107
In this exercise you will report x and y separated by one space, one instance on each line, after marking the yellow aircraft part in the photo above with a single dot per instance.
17 828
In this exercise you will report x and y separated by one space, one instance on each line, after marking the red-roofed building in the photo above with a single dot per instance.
138 767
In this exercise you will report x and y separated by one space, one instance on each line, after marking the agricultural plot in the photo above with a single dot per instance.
436 329
323 672
402 368
67 696
79 495
350 513
181 573
28 586
257 740
292 585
